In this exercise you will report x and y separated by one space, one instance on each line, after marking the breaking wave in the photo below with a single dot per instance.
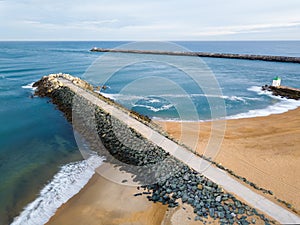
137 97
29 86
283 105
154 109
65 184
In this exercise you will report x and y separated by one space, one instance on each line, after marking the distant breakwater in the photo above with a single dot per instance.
287 59
174 180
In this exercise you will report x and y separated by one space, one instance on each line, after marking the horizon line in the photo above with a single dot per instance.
191 40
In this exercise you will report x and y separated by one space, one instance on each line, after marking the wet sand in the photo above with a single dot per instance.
102 202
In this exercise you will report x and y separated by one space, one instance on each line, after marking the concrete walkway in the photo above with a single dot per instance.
215 174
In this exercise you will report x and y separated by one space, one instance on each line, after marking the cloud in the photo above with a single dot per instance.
155 19
89 24
251 28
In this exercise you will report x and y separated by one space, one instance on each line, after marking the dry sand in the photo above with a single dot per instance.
265 150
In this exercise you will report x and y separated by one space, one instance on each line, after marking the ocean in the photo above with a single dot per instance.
40 164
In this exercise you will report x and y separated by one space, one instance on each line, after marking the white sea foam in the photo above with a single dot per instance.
66 183
283 105
29 86
111 96
121 97
259 91
278 108
137 97
154 109
154 100
242 99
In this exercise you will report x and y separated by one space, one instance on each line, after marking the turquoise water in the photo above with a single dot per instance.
36 141
238 80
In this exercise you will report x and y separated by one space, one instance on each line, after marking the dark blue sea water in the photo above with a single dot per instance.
36 142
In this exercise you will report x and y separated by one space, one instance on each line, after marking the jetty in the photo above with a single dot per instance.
287 59
283 91
212 192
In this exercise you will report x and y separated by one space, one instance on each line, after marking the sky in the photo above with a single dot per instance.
155 20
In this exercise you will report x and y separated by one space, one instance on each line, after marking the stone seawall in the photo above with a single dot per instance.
175 181
207 54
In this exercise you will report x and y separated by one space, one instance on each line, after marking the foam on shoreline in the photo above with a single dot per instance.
65 184
278 108
281 106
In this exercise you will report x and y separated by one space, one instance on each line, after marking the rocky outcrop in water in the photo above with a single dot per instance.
286 92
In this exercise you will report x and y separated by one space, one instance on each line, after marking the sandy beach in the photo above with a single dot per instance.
104 202
265 150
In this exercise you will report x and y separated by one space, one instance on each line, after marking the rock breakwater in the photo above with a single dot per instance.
206 54
283 91
175 182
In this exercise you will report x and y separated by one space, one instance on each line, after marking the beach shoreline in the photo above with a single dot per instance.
100 200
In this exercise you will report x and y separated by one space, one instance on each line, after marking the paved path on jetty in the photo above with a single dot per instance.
217 175
206 54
